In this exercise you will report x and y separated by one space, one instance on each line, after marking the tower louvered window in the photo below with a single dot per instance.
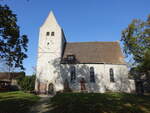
52 33
47 33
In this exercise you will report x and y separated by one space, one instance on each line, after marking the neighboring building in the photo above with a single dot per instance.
8 80
79 66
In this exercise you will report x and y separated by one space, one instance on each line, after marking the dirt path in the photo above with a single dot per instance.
42 106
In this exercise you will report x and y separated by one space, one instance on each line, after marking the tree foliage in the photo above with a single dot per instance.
27 83
12 45
136 39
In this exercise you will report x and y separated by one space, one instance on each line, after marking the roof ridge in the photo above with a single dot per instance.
96 42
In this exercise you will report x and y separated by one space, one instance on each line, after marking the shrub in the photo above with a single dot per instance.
27 83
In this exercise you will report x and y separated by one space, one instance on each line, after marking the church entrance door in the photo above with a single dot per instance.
51 88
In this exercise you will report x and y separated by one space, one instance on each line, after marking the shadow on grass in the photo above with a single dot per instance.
99 103
16 102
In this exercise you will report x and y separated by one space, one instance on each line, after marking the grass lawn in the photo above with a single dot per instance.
16 102
100 103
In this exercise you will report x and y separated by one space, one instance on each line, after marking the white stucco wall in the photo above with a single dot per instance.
60 73
102 77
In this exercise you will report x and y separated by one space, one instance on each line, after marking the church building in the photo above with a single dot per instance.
78 66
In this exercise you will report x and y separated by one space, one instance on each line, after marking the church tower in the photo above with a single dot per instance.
50 48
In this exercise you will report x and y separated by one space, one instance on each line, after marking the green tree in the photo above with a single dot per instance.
13 46
136 39
136 44
27 83
146 63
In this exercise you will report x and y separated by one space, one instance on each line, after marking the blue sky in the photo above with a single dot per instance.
82 20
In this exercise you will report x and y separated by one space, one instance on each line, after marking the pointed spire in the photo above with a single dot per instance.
51 19
51 16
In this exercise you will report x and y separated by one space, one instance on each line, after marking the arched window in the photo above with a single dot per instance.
73 73
111 72
92 75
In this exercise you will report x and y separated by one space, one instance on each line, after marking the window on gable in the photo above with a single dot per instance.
52 33
70 57
92 75
47 33
111 72
73 73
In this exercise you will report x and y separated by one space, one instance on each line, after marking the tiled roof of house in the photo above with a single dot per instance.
95 52
9 75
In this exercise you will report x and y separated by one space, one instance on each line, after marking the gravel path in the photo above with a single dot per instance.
42 105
